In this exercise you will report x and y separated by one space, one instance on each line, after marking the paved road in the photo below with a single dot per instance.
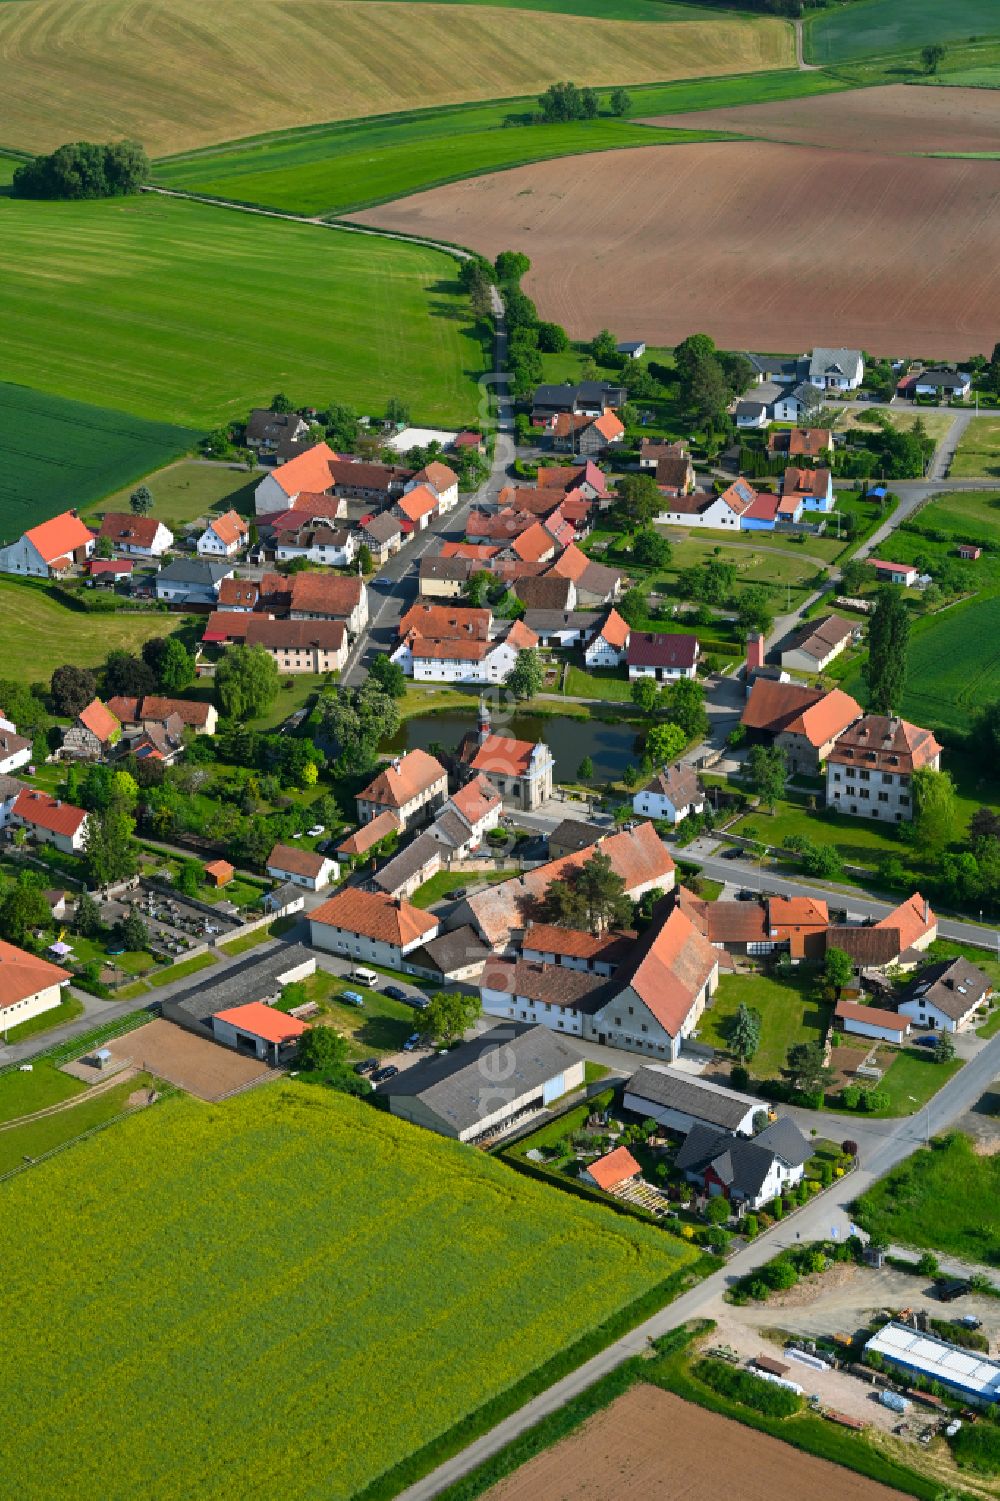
823 1217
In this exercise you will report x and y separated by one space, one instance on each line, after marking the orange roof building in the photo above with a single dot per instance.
613 1171
224 535
408 784
98 719
369 834
801 922
805 722
666 984
418 505
50 819
369 925
28 985
309 471
49 548
913 919
535 545
270 1029
219 872
446 622
327 596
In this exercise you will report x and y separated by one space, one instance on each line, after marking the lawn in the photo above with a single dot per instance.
167 309
607 684
451 880
247 941
68 1009
912 1079
943 1198
59 453
410 1250
861 841
381 1026
23 1094
966 516
59 634
8 164
193 488
183 969
36 1137
789 1014
978 452
173 83
894 26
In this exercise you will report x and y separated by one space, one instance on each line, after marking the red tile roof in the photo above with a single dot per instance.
901 568
913 919
739 496
521 637
479 552
229 528
571 564
446 622
307 471
437 475
23 975
794 709
803 482
226 625
189 710
418 503
120 567
100 721
429 649
263 1021
48 812
128 530
240 593
501 753
61 535
374 915
476 799
285 857
404 780
787 912
609 425
881 743
673 970
874 1015
617 1167
549 938
222 871
361 841
326 594
535 544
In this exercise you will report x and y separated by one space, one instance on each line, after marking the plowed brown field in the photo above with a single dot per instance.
758 244
898 118
651 1446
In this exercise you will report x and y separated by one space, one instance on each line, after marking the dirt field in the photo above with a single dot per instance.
758 244
651 1446
899 118
196 1064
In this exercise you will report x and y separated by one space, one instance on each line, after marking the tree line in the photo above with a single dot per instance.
83 169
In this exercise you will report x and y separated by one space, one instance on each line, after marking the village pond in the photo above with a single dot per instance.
611 746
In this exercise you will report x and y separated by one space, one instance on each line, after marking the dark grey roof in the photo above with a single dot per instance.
572 835
808 394
266 426
451 951
952 380
674 1091
952 985
776 366
456 1086
407 863
10 787
194 571
736 1160
281 896
544 621
456 570
565 397
785 1140
243 983
455 830
383 527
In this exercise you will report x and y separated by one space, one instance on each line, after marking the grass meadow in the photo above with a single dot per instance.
942 1198
271 1278
39 633
191 314
978 452
331 169
163 76
789 1014
893 26
182 492
60 453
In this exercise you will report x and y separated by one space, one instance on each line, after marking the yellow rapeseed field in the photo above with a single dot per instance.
281 1296
178 74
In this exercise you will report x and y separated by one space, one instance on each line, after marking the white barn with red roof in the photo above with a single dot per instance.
309 471
28 986
49 549
50 820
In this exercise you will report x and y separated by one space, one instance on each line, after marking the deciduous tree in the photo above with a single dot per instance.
72 689
664 743
449 1015
526 676
246 682
141 501
935 810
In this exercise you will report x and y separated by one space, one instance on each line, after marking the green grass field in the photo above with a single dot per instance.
789 1014
913 1077
967 516
969 78
68 1009
978 454
193 314
608 685
330 1258
894 26
23 1094
861 841
332 169
59 453
182 492
942 1199
7 166
58 634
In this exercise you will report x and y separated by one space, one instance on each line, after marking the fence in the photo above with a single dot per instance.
86 1042
23 1167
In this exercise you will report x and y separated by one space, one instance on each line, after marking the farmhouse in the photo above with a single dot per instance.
320 596
547 592
660 994
49 549
871 1021
136 536
487 1086
49 820
319 543
308 472
801 923
224 537
267 429
903 574
586 435
818 643
299 645
747 1173
258 1030
94 732
946 995
411 786
612 1172
595 954
680 1102
354 479
29 986
589 398
559 629
585 479
382 535
836 369
549 995
478 805
192 583
134 713
720 512
952 385
869 771
441 481
608 646
971 1376
301 867
237 594
804 722
673 794
364 839
665 658
457 955
370 926
801 442
416 507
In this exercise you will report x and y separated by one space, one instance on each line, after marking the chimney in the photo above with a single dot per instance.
755 652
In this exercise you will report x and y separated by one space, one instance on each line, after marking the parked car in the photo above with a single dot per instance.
366 976
411 1042
366 1066
456 895
746 896
926 1042
732 854
316 830
389 1072
352 998
396 993
949 1288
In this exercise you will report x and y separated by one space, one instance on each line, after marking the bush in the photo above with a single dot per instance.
978 1447
749 1390
739 1076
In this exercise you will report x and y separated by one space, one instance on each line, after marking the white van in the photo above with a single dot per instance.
365 977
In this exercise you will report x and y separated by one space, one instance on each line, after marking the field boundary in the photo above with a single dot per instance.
168 1091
